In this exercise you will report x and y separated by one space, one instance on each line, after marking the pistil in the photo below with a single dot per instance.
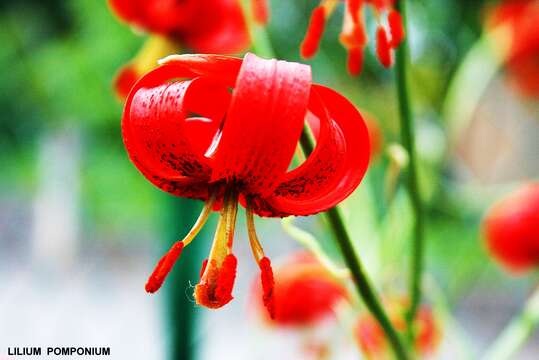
218 274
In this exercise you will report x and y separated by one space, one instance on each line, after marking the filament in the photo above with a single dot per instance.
164 266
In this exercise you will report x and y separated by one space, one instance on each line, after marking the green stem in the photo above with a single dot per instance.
259 37
179 311
363 285
412 181
517 332
308 241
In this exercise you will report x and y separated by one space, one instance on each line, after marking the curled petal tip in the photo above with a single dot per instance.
178 57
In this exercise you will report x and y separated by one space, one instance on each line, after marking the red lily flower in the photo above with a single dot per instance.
305 292
353 36
210 26
520 18
375 135
191 136
373 343
511 229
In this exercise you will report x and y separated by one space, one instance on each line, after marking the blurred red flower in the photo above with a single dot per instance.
305 292
209 26
389 33
192 137
520 19
373 343
376 136
511 229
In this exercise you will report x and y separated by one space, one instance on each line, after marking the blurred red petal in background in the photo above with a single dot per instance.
511 229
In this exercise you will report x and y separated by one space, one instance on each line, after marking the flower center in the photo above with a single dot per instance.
219 271
215 287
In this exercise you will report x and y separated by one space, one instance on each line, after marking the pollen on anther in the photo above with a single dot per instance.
203 268
268 285
227 276
355 61
310 43
383 47
163 268
216 284
396 28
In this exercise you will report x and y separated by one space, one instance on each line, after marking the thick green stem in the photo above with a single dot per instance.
412 181
363 285
179 311
517 332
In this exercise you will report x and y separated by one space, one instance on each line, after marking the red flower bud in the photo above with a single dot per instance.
511 229
372 340
304 293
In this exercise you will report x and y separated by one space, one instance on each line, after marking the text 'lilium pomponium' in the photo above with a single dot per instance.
224 130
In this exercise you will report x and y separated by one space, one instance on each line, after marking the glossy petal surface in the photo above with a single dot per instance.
263 125
337 164
203 120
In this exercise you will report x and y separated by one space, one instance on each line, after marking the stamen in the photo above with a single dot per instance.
164 266
268 284
158 276
266 272
383 48
355 61
353 32
260 11
315 30
215 287
353 7
317 24
396 28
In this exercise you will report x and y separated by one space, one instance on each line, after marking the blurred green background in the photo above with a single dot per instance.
80 228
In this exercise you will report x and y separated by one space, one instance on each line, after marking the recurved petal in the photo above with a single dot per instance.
335 167
169 126
222 67
263 125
